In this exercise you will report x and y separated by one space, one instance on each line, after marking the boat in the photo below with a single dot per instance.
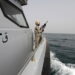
17 53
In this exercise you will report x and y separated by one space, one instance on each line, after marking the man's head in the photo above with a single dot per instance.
37 23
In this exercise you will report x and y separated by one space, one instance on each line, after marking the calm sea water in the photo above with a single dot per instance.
62 53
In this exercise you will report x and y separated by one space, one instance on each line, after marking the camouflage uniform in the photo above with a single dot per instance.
37 36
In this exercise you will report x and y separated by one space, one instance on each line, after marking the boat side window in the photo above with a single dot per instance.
14 14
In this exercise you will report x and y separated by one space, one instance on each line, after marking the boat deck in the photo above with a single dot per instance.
35 67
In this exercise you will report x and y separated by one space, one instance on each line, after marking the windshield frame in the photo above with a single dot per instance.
22 26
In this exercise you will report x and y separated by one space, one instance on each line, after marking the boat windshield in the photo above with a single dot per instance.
14 14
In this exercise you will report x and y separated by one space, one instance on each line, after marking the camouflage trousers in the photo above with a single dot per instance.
37 39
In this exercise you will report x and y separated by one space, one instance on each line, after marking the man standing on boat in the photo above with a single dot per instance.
37 37
38 32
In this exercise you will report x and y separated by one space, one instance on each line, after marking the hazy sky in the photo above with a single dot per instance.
59 13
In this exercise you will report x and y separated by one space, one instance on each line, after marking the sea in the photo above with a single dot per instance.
62 53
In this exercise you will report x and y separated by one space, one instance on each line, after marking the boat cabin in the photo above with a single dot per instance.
16 38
